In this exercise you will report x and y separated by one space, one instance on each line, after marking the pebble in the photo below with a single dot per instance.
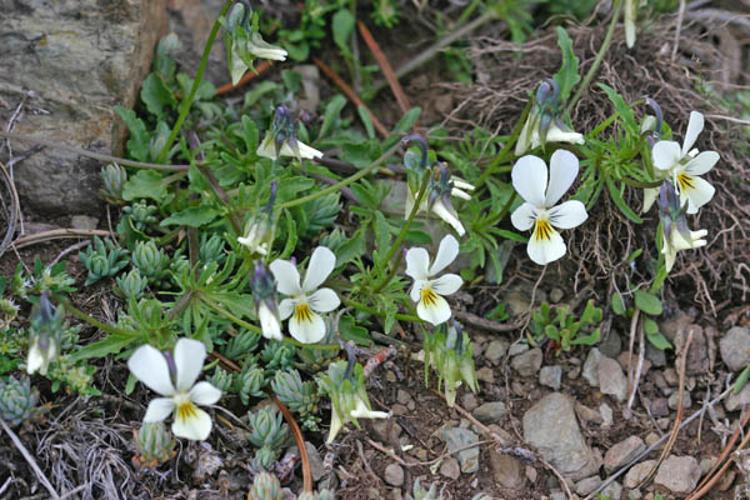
736 401
551 376
638 473
531 473
588 415
518 348
734 347
591 367
528 363
495 351
506 470
459 438
556 295
623 452
490 413
608 416
686 401
656 356
678 321
698 359
486 375
613 491
380 428
625 356
610 345
612 380
317 468
679 474
586 486
403 397
394 475
469 401
83 222
450 468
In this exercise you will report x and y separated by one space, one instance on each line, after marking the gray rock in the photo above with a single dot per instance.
610 345
588 415
557 495
95 55
486 375
678 321
680 475
83 222
607 414
698 359
394 475
469 401
613 491
657 357
735 348
495 351
556 295
457 438
450 468
736 401
317 468
638 473
490 413
551 427
591 367
507 471
551 376
517 348
659 407
687 402
385 430
623 452
528 363
586 486
612 380
624 359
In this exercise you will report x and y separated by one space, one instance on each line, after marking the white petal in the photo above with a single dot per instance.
630 15
556 134
666 154
447 284
457 193
543 252
568 215
462 184
702 163
149 366
35 360
336 425
286 308
324 300
694 128
189 355
204 394
321 265
287 277
523 217
361 411
269 323
447 253
439 209
308 152
159 409
530 179
267 148
649 197
416 289
563 170
524 139
264 50
699 195
308 332
196 427
438 313
417 263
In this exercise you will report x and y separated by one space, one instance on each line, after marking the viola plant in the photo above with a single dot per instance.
281 139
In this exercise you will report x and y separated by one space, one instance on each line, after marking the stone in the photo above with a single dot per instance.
556 295
607 414
459 438
588 415
551 376
469 401
638 473
486 375
557 495
707 464
394 475
679 475
551 427
403 397
506 470
531 473
70 62
591 367
385 430
495 351
612 380
611 345
657 356
624 357
613 491
83 222
317 468
528 363
490 413
659 407
517 348
623 452
687 402
736 401
698 358
678 321
450 468
588 485
735 348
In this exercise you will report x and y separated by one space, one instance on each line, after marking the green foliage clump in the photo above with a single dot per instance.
564 328
154 445
269 434
300 397
18 400
103 259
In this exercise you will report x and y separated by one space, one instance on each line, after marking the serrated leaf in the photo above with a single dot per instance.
156 96
139 140
145 184
351 249
192 217
567 76
648 303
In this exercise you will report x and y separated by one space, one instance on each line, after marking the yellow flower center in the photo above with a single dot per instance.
685 182
428 295
542 229
186 410
303 313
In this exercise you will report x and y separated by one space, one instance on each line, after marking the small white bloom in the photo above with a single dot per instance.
306 301
269 322
267 149
531 138
42 351
257 237
256 47
461 189
631 12
181 394
675 242
685 165
428 290
539 210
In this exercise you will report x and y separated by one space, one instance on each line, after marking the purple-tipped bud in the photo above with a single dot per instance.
548 92
421 142
263 284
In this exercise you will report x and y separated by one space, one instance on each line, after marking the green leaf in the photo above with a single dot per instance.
648 303
618 304
343 26
622 108
511 235
331 116
364 115
291 235
145 184
351 249
351 331
590 339
616 196
192 217
567 76
407 121
650 327
659 341
139 140
156 96
111 344
742 380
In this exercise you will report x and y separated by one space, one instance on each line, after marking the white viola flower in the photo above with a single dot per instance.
306 301
540 210
675 242
281 139
685 164
174 378
429 290
43 350
441 204
267 149
256 237
531 137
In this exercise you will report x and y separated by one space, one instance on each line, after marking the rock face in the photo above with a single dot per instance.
69 62
552 428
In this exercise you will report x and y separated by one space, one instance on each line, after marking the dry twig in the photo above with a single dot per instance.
30 460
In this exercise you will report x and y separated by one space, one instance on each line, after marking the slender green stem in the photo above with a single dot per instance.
402 234
343 183
249 326
598 59
371 310
187 102
105 327
507 150
603 125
